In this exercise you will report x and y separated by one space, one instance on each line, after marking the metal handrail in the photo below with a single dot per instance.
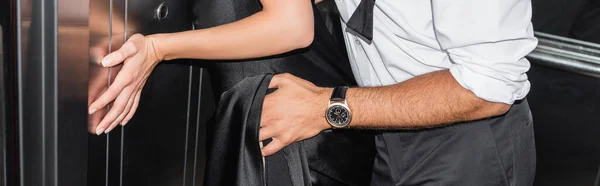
567 54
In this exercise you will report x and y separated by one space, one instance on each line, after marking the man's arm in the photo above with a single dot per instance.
428 100
486 41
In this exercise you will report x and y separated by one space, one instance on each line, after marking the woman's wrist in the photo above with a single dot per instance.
156 43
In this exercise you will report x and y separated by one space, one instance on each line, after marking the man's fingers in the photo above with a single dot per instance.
136 102
279 80
272 147
267 132
122 80
269 104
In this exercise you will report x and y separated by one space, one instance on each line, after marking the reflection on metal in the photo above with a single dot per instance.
51 89
162 11
567 54
108 33
123 127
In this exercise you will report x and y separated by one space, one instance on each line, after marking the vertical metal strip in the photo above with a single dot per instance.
43 84
187 125
187 121
123 127
20 91
197 126
55 93
110 21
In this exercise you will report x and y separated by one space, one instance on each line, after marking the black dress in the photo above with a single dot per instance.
338 157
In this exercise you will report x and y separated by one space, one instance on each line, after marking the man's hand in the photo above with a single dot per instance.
139 58
294 112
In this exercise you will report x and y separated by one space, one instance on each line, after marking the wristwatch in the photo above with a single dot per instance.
338 113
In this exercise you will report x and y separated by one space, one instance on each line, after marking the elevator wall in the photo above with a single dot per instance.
50 74
164 142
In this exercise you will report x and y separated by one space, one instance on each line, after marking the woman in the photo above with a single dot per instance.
270 36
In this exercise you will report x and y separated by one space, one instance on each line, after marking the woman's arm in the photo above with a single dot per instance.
282 26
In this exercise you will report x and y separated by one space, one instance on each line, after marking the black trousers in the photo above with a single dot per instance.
489 152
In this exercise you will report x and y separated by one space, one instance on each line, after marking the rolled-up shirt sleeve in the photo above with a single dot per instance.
487 41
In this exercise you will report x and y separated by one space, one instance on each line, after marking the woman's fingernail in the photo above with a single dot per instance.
123 123
92 111
106 62
99 131
108 130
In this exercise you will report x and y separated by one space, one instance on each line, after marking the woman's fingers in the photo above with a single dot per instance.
126 89
122 115
123 79
136 102
115 110
128 50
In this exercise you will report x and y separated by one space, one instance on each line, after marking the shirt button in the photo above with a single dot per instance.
357 42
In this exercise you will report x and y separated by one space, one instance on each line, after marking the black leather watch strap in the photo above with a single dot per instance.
339 93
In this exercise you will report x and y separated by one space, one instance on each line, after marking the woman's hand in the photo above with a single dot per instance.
139 57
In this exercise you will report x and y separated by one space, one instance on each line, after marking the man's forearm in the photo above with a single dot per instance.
428 100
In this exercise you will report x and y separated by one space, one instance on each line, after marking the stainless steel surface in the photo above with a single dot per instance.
168 108
567 54
51 91
569 42
159 145
70 138
564 63
8 17
106 34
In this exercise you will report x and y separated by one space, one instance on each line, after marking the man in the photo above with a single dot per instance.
445 82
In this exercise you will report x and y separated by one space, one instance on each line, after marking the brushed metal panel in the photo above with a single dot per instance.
51 86
71 82
115 138
100 31
32 94
155 139
8 20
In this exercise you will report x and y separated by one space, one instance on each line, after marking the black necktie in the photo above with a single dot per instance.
361 21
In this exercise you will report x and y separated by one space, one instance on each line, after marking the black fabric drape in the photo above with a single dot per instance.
334 158
236 158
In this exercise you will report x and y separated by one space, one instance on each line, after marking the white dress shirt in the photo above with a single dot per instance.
482 42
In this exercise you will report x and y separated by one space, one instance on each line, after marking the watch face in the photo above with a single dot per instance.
338 115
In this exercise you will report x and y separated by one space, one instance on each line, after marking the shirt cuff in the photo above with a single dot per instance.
489 86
